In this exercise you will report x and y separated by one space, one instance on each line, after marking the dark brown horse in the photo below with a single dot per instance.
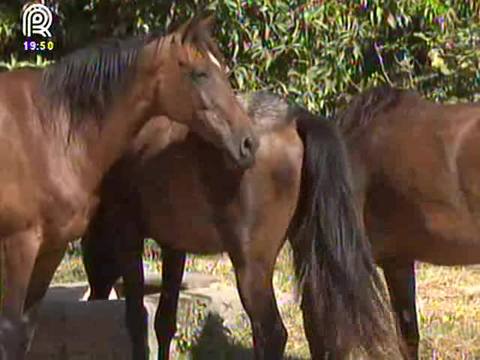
62 128
181 195
417 172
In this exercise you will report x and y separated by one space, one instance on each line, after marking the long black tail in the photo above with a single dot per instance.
343 298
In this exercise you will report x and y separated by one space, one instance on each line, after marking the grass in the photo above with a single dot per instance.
449 307
448 302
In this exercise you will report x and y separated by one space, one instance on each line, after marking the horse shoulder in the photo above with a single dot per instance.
19 192
467 162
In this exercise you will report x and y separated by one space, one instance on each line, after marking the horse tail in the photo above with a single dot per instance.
343 298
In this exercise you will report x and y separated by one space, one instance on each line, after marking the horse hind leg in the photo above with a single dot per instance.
173 265
400 277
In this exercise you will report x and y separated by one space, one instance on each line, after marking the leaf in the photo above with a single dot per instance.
438 62
391 21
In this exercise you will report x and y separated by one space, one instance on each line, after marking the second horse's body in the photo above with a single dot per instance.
299 187
417 178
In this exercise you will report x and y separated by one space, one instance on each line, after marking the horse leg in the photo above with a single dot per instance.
107 255
173 265
314 332
400 277
254 279
112 247
18 254
102 267
101 283
42 274
136 314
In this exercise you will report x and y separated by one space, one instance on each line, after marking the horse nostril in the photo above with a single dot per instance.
247 146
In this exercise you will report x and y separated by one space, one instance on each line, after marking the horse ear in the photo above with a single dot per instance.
205 25
198 29
182 29
184 32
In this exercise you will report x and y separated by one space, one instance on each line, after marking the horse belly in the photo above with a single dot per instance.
442 245
454 238
436 233
450 252
184 226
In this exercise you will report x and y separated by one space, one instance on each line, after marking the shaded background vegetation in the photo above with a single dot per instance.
318 52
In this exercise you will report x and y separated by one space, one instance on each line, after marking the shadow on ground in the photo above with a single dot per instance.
215 343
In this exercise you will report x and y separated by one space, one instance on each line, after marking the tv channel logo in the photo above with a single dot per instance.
37 19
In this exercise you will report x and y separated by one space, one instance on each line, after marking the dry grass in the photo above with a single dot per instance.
449 307
448 302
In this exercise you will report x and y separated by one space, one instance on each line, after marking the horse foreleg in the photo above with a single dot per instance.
18 254
400 277
254 279
102 263
173 265
42 274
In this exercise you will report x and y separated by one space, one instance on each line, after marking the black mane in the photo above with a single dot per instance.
364 107
266 108
270 111
86 81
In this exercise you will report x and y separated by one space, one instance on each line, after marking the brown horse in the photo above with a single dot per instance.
299 187
417 172
62 128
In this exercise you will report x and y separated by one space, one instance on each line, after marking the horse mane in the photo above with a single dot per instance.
366 106
267 110
86 81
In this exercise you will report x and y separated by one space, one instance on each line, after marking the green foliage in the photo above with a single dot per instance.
14 63
318 52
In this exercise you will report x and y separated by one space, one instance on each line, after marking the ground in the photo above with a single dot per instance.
448 302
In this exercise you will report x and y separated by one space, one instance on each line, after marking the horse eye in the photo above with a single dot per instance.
199 75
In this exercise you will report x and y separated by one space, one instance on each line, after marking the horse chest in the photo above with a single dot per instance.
16 212
67 221
18 191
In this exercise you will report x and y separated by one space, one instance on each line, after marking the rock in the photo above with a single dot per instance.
83 330
191 280
72 329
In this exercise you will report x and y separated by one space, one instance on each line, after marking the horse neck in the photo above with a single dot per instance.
105 143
